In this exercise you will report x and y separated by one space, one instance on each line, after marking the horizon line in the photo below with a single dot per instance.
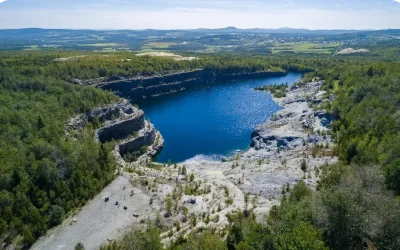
228 27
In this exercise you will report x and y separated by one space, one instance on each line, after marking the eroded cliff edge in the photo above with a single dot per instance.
122 123
137 87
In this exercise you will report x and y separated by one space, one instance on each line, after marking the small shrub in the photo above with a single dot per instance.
303 165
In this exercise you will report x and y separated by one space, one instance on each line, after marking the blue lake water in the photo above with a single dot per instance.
211 121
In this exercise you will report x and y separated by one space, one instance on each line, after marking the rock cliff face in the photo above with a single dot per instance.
112 112
148 136
122 127
102 115
123 123
142 87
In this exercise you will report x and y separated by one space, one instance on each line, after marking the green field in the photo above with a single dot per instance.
305 48
158 45
31 47
108 50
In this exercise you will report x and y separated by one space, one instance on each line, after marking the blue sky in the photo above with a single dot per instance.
183 14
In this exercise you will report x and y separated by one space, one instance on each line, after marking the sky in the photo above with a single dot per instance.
188 14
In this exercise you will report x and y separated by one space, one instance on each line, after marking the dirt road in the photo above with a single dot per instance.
100 220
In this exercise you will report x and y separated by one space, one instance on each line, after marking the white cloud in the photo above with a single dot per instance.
2 1
397 1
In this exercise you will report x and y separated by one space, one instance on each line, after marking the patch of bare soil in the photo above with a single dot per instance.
352 51
166 54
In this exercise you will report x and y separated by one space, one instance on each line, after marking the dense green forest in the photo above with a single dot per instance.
368 102
45 175
89 65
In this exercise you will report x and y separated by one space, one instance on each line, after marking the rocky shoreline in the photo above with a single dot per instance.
297 123
293 145
297 133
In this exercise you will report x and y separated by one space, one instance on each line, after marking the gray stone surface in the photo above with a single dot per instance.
145 137
121 128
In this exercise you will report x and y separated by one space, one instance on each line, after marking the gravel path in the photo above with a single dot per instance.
100 220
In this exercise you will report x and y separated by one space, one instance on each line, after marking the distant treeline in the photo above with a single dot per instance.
89 65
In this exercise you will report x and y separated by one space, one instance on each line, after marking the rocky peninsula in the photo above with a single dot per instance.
122 123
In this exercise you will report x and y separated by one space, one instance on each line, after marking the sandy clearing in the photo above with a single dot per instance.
352 51
64 59
166 54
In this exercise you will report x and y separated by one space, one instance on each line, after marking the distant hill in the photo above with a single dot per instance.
230 39
283 30
231 29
